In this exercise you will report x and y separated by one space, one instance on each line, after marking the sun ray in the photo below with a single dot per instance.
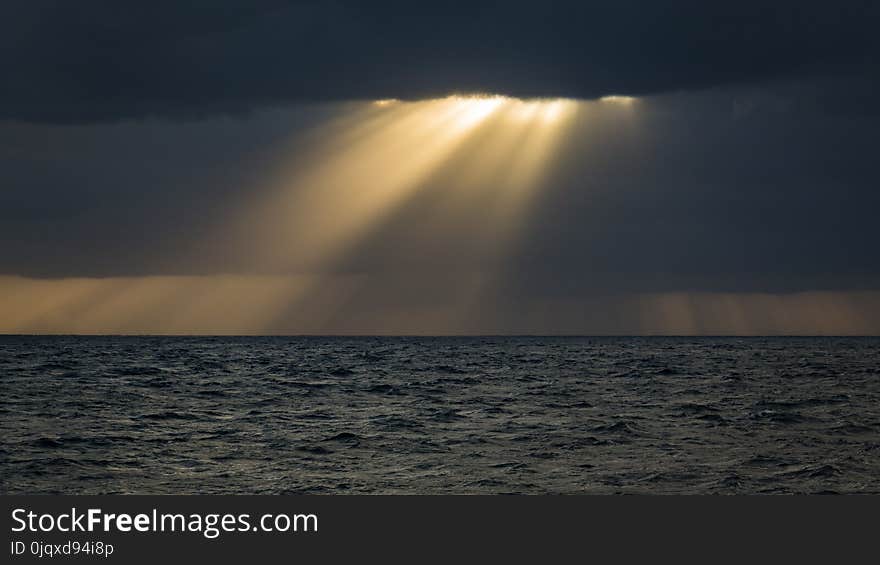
335 186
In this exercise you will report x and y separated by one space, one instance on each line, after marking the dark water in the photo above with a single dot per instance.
438 415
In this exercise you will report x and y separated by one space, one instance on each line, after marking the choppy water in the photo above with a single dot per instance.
439 415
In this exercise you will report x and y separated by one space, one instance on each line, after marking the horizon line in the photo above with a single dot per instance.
440 335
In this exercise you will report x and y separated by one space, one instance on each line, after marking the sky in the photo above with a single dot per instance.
625 167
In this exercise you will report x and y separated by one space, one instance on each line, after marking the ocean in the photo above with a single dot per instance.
433 415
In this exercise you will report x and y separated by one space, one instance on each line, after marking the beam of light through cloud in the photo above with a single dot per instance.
321 208
483 159
329 208
356 172
462 214
358 177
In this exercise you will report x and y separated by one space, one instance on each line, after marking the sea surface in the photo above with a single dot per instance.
86 415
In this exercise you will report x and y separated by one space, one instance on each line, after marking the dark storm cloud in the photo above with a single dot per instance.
90 61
